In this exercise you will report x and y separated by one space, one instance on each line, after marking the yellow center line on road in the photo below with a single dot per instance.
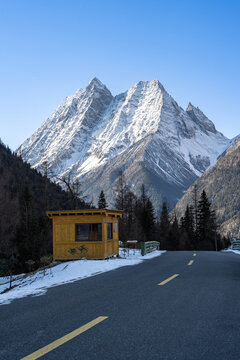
191 262
53 345
168 279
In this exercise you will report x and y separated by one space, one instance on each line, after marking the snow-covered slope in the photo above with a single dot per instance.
143 131
221 183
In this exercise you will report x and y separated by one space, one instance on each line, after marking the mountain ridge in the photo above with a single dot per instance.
144 125
221 183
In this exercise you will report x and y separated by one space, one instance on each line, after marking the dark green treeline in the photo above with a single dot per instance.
25 196
196 230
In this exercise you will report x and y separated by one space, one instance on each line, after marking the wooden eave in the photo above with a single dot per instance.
90 212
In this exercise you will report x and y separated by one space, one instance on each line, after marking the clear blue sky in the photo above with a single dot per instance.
50 48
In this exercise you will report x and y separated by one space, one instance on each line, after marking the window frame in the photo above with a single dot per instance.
90 236
108 226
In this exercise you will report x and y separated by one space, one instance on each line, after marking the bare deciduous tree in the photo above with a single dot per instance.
73 186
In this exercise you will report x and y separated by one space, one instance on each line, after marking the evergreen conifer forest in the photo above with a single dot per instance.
26 232
196 230
222 185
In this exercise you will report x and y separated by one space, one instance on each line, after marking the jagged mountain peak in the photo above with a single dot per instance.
196 109
96 81
190 107
151 84
200 118
96 84
143 130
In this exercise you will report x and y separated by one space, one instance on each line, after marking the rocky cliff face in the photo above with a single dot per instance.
222 185
143 131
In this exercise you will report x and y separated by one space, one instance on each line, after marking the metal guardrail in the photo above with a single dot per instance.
236 245
149 246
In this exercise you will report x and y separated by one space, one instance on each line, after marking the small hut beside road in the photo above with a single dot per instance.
90 234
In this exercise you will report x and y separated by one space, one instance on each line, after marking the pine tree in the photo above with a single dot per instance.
174 235
187 229
129 215
145 215
149 221
182 224
206 225
102 204
195 206
189 226
164 227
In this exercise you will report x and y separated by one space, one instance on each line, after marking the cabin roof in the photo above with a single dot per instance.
84 212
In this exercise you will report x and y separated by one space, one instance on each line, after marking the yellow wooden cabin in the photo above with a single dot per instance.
90 234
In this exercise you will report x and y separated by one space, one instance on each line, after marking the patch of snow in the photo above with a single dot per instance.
208 145
234 251
37 283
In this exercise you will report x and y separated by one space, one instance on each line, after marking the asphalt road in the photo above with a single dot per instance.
196 315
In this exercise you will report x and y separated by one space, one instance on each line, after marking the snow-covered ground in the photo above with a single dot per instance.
234 251
37 283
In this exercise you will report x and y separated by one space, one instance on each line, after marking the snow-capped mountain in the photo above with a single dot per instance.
143 131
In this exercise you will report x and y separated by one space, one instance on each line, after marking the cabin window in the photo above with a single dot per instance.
109 231
88 232
115 228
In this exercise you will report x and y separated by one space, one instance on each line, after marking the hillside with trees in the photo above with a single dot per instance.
26 232
195 230
25 196
222 186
